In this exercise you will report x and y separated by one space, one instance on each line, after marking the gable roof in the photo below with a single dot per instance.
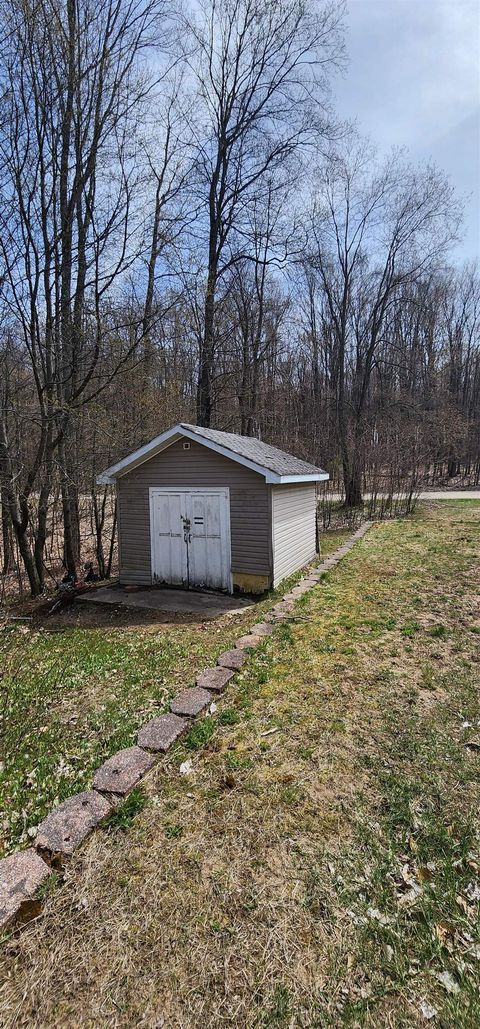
273 464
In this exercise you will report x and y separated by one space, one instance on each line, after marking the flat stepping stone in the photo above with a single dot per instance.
191 702
278 616
122 771
20 876
262 629
62 831
161 732
214 679
232 659
246 642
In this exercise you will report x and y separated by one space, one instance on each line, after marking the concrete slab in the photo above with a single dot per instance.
214 679
20 876
262 629
123 771
249 641
191 702
205 605
65 828
161 732
233 659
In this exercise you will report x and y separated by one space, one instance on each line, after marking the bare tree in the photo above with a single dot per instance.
260 69
461 319
75 80
375 227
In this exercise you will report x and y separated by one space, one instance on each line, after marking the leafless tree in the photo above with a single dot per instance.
260 70
74 82
374 227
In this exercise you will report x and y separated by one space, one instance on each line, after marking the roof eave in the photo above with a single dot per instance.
105 480
159 443
281 480
127 464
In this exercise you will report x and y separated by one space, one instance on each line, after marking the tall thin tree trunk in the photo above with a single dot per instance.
205 374
71 520
112 541
7 555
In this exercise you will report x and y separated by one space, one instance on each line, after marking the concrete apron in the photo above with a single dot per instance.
205 605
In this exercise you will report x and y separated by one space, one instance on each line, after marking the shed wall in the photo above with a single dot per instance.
198 467
293 521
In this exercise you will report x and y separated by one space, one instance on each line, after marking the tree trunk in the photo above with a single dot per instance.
353 490
19 516
71 518
99 522
41 534
204 391
112 541
28 560
7 555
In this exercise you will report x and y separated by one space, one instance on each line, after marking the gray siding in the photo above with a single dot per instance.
293 520
197 467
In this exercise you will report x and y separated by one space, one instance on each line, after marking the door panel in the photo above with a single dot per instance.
191 538
170 558
207 546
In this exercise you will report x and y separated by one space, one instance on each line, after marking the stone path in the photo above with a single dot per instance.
67 826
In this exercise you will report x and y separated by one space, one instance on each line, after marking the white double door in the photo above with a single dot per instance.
190 536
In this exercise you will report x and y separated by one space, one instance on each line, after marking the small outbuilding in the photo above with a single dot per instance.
198 507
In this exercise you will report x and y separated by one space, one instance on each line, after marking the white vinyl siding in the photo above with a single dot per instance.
293 528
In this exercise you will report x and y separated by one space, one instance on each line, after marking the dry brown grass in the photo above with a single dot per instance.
237 897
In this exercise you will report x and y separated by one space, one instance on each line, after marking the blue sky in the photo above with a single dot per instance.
414 79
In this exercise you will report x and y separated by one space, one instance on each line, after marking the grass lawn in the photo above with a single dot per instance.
320 865
73 694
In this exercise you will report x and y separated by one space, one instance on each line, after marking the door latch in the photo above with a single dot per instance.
187 527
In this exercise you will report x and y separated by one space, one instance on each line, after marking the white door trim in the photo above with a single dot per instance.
220 491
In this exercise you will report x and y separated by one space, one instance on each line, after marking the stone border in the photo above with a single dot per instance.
68 825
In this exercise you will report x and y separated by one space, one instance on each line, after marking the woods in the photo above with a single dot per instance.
188 232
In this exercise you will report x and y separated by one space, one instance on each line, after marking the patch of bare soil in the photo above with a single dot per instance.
93 616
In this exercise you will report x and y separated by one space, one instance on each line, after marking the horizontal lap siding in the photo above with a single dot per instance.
198 468
294 538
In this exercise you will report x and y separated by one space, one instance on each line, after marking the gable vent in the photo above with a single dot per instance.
186 446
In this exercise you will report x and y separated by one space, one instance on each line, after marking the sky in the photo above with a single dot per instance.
413 79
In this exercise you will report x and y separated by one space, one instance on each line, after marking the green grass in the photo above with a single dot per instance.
123 816
397 873
71 697
325 874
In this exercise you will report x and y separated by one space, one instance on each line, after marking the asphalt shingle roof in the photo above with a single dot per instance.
252 449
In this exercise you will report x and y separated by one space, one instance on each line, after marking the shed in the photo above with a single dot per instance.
199 507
